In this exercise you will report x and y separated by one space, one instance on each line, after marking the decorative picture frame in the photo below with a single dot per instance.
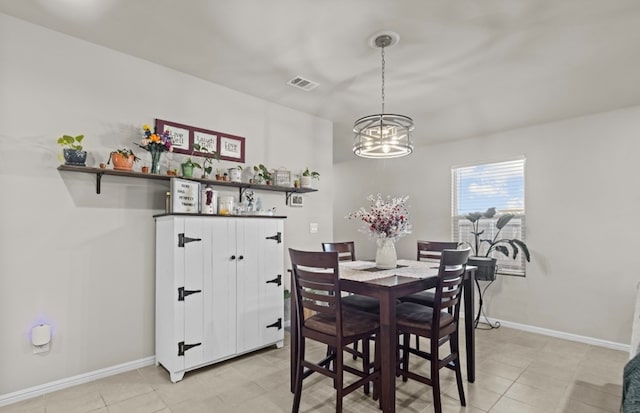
180 135
296 200
184 137
185 196
282 177
231 148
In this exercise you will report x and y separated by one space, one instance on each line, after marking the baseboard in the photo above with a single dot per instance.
562 335
30 392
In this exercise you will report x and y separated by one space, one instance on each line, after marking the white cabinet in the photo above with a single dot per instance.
219 289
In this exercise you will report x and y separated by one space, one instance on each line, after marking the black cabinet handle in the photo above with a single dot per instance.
184 347
233 257
241 257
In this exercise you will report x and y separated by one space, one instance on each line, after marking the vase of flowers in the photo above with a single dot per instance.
386 221
155 143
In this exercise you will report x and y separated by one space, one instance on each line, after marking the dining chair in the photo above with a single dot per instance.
428 250
347 252
431 250
437 324
317 289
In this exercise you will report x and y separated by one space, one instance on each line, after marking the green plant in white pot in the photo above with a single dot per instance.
482 248
307 176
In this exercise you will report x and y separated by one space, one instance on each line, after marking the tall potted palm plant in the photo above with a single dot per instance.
482 248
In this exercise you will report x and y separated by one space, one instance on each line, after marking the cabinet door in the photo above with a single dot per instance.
220 288
260 291
193 299
271 282
247 281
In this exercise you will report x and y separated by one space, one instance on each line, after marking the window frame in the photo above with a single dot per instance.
517 226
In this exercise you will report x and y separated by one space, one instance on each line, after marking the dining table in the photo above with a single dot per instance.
387 285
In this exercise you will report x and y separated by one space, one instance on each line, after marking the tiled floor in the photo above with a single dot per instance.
517 372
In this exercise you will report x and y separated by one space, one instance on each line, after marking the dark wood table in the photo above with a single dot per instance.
387 288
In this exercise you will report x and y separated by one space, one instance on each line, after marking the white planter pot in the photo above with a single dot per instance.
305 181
235 175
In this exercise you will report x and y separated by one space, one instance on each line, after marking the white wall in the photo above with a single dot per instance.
84 262
582 201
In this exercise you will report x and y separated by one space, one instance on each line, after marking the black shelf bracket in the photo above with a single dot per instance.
98 180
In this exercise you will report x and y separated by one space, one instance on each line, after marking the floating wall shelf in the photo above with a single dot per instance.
242 186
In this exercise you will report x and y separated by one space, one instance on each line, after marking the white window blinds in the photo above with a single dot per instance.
479 187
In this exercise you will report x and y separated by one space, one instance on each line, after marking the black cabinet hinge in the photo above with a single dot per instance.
184 347
185 240
183 293
277 237
277 280
277 324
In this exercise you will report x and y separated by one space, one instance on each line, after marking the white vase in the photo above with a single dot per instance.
386 257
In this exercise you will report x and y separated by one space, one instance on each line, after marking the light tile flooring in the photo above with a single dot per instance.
517 372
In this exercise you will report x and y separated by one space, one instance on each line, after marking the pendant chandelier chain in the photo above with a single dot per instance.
383 66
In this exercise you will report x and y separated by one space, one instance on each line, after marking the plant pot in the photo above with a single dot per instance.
74 157
187 170
235 175
305 181
122 162
145 169
486 267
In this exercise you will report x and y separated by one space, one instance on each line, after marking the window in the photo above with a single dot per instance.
479 187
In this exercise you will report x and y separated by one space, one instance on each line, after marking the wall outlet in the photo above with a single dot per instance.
313 227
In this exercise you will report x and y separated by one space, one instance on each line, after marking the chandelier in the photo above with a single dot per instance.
383 135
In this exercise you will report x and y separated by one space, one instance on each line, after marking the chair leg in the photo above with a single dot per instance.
339 380
355 349
405 355
299 373
435 375
417 342
454 341
366 361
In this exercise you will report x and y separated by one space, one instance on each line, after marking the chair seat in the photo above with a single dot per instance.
416 316
423 297
353 324
362 303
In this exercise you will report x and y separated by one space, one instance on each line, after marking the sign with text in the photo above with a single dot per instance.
185 196
186 138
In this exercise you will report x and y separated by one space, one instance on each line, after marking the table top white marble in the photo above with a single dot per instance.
361 270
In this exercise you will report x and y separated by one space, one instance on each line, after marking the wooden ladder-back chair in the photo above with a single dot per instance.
347 252
436 323
316 288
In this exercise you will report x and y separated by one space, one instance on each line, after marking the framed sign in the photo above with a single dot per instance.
232 148
180 135
185 196
281 178
185 137
296 200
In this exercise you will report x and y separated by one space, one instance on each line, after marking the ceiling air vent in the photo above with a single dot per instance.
302 83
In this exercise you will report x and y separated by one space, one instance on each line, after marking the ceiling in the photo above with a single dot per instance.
461 68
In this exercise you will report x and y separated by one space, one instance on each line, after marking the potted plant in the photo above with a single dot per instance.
482 248
307 176
207 161
72 150
123 159
188 166
262 173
